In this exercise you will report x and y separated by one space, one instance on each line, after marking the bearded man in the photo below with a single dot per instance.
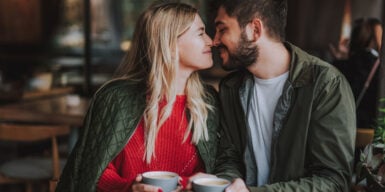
288 117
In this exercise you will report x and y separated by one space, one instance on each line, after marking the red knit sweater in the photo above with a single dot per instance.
171 153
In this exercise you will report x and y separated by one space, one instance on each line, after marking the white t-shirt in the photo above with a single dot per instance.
260 118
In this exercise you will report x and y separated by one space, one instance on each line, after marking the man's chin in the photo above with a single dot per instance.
229 66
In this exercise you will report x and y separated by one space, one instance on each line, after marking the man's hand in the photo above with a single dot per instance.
237 186
196 176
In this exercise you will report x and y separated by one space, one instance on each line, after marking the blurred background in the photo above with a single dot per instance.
80 42
69 48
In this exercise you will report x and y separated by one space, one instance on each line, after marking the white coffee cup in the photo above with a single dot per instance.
168 181
73 100
210 184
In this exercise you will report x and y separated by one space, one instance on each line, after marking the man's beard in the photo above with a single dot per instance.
245 55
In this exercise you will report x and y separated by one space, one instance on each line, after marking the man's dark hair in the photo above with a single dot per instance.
273 13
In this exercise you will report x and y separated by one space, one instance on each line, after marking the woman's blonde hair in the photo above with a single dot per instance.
153 58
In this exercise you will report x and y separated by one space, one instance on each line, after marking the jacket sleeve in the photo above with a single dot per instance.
229 161
209 149
68 178
86 161
112 117
331 142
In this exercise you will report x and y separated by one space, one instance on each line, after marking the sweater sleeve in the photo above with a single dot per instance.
111 181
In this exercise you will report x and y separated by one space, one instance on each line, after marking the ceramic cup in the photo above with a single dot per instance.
73 100
168 181
210 184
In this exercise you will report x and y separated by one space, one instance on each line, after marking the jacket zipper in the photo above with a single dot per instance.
248 139
273 164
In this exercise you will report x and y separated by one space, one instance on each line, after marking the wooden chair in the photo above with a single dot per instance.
364 137
29 170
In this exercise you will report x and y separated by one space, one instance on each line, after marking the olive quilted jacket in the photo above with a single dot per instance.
112 118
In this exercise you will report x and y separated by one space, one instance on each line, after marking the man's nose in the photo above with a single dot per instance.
216 40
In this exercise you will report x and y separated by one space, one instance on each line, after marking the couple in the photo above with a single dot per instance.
284 121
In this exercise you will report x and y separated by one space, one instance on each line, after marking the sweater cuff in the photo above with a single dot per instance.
184 182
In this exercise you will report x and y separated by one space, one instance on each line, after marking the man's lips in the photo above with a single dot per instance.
221 48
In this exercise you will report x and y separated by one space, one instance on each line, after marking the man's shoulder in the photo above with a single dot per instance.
233 79
308 67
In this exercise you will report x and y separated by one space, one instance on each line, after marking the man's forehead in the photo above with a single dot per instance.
222 16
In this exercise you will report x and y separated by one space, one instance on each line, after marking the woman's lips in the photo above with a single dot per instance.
207 52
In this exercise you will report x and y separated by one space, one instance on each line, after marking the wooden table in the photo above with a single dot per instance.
56 91
47 110
51 110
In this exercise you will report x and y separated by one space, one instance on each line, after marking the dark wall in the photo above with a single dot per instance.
313 24
26 28
368 8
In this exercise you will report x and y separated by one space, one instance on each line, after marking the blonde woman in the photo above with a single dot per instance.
157 115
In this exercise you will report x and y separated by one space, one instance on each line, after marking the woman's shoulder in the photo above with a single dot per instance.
119 90
121 86
211 94
209 88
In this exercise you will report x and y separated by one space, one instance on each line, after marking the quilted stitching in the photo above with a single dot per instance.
112 118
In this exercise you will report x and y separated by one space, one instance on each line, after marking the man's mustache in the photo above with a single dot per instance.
220 46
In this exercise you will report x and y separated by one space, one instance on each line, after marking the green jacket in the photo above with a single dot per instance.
314 128
112 118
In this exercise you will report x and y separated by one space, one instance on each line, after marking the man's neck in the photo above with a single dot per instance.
273 60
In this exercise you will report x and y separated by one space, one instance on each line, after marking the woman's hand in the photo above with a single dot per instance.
140 187
237 186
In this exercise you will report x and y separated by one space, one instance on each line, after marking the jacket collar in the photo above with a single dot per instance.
300 72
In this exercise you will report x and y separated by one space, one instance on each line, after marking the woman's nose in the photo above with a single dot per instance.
209 41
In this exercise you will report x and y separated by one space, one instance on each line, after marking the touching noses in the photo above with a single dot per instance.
216 41
209 41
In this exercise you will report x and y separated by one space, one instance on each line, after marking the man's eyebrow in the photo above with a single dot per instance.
218 23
